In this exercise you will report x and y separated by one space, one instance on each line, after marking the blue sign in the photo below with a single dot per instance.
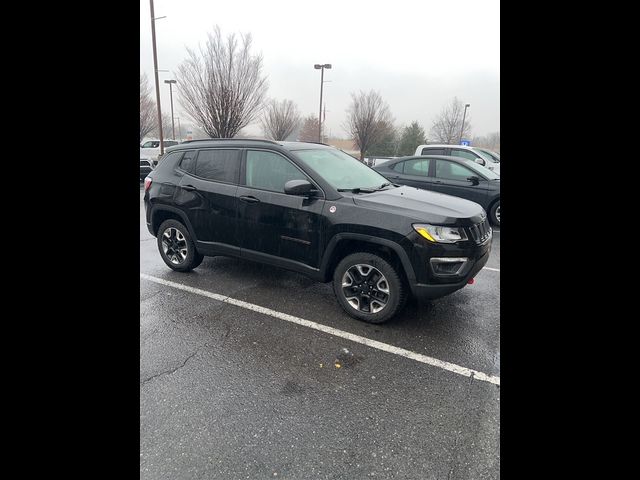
465 142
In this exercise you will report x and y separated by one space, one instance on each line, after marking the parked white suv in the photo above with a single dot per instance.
461 151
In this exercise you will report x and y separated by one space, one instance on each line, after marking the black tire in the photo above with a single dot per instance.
494 213
192 258
397 290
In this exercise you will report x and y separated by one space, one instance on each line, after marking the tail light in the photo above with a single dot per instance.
147 183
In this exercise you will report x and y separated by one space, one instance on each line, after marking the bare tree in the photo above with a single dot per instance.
148 119
490 141
280 119
446 128
309 130
221 87
367 119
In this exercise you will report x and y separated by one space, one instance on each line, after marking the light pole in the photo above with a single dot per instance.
317 66
464 115
173 125
155 71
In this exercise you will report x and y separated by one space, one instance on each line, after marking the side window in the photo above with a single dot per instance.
188 163
398 167
453 171
170 158
419 166
463 154
432 151
218 165
270 171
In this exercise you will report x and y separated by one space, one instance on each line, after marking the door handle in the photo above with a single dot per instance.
189 188
249 199
438 182
394 176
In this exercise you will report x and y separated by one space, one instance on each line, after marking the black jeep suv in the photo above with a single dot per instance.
313 209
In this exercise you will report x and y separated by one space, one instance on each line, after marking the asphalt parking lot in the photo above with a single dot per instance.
229 390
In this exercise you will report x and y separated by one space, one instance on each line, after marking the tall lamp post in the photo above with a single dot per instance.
317 66
173 125
155 71
464 115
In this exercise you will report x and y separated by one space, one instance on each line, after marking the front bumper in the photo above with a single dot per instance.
429 291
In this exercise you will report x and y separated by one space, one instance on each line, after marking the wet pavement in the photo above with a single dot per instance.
227 392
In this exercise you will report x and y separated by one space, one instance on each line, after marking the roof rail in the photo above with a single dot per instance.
318 143
227 139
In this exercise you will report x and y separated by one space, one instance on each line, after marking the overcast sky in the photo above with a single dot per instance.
418 54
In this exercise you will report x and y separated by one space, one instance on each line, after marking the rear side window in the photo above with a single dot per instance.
432 151
169 160
270 171
189 162
419 166
463 154
219 165
398 167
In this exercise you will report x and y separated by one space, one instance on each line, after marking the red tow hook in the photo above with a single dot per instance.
471 281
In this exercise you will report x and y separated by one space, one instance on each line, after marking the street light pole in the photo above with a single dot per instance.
463 117
155 71
173 125
317 66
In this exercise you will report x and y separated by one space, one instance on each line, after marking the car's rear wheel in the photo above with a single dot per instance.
494 213
368 287
176 247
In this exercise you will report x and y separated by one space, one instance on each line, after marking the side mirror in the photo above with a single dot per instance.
474 180
481 161
299 187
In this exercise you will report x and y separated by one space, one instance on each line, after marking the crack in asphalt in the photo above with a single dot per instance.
169 372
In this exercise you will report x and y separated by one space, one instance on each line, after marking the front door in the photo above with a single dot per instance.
274 226
453 179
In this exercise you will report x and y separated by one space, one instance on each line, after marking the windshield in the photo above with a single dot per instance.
489 174
340 170
487 155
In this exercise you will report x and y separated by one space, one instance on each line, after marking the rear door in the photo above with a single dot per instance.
272 224
207 193
452 178
414 173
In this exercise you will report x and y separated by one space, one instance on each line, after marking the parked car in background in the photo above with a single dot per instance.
146 167
313 209
462 151
373 161
150 149
491 153
455 176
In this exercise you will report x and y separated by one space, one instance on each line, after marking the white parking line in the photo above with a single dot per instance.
492 269
418 357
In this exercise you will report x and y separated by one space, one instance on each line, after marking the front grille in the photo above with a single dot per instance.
481 232
145 163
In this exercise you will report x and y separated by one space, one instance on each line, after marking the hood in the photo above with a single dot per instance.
495 167
423 205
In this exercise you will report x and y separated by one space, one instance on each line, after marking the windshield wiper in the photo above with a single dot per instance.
357 190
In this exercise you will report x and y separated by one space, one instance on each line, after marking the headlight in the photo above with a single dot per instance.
438 234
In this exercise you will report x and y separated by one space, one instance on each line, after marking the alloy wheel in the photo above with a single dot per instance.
365 288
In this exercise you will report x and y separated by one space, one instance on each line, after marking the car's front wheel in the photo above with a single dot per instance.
368 287
494 213
176 247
